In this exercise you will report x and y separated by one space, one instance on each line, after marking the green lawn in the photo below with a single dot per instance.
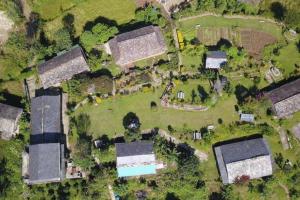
188 27
50 9
107 117
120 11
288 57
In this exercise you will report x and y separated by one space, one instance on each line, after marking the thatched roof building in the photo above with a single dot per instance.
62 67
9 117
286 98
136 45
250 158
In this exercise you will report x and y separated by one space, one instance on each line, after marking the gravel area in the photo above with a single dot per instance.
6 26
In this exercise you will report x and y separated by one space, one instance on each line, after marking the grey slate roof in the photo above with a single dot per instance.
9 116
134 148
285 91
139 44
62 67
216 54
46 163
242 150
45 119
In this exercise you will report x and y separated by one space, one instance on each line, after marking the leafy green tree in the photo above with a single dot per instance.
99 34
150 15
88 40
83 123
292 19
4 178
82 153
62 40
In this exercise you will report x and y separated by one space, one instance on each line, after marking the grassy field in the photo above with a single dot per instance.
120 11
50 9
107 117
188 27
288 57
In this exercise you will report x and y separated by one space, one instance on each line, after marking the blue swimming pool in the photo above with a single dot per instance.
136 171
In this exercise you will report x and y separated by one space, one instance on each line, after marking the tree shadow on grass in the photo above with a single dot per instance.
103 20
278 10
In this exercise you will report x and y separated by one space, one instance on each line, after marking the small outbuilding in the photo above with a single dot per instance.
197 135
285 99
180 95
247 118
249 158
62 67
9 118
136 45
135 159
215 59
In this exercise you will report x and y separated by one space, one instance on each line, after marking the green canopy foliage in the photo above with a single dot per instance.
150 15
99 34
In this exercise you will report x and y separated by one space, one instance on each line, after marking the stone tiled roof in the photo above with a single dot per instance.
250 157
136 45
62 67
9 116
286 98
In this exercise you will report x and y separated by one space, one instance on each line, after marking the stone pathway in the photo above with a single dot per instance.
65 117
283 138
286 190
263 19
111 193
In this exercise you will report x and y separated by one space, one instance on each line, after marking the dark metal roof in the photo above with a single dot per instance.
134 148
45 163
45 119
243 150
216 54
285 91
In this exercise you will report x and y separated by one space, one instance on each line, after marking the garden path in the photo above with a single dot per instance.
202 156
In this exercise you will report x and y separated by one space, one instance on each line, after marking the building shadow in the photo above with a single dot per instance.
11 99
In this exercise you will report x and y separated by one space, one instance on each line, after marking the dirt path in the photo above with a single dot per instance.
286 190
201 155
263 19
283 138
26 9
111 193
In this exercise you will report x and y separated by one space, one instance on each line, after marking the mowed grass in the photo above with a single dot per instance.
50 9
120 11
107 117
288 57
188 27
